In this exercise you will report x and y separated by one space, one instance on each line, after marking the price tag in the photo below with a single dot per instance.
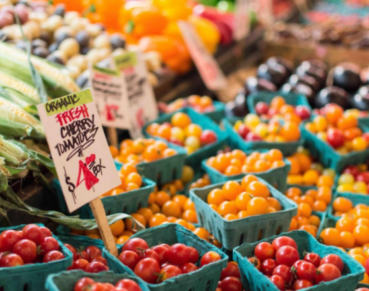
141 99
110 96
209 70
266 12
79 149
242 19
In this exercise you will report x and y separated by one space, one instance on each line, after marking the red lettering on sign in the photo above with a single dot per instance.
72 114
89 178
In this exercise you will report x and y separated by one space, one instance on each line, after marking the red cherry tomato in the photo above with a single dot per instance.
287 255
367 266
33 233
149 254
313 258
8 239
188 268
83 284
194 255
45 232
231 270
268 266
177 254
129 258
83 255
135 243
11 260
73 250
209 257
334 260
101 260
335 137
148 270
362 289
26 249
93 252
255 262
284 272
48 244
301 284
283 241
79 264
96 267
306 271
128 285
169 272
278 281
297 264
208 137
53 256
326 273
264 251
230 284
161 250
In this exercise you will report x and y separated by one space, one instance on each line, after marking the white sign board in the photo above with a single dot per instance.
242 19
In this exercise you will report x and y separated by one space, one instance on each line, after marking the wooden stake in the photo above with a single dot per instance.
102 222
112 136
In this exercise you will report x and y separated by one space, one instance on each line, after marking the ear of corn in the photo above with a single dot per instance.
14 62
16 97
11 112
12 153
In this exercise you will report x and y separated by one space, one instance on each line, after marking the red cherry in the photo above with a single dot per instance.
335 137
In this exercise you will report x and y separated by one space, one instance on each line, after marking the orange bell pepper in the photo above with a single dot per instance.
207 31
108 10
70 5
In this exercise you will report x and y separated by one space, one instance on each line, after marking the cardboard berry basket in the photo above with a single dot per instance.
65 281
205 278
276 177
81 241
32 277
205 122
249 229
254 280
163 170
267 97
328 156
236 141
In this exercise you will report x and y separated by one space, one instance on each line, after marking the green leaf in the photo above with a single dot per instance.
15 170
130 26
15 129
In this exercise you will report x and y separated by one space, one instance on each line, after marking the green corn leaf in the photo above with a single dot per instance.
15 129
12 153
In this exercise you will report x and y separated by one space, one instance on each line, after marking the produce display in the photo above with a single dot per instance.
196 102
354 179
89 259
89 284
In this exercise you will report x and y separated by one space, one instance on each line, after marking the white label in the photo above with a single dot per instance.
266 12
141 99
79 148
209 70
242 19
110 95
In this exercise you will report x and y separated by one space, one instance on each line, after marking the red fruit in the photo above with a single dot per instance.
364 177
11 260
268 266
264 251
101 260
129 258
149 254
261 108
209 257
326 273
335 137
334 260
313 258
83 255
128 285
302 112
278 281
194 255
230 284
353 170
287 256
45 232
53 256
26 249
177 254
33 233
96 267
362 289
272 111
253 137
297 264
169 272
161 250
208 137
365 136
73 251
93 252
301 284
147 270
79 264
306 271
83 284
231 270
188 268
48 244
8 239
135 243
367 266
285 272
176 141
283 241
255 262
243 130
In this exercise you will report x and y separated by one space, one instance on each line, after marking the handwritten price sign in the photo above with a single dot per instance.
79 148
208 68
141 99
110 95
242 19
